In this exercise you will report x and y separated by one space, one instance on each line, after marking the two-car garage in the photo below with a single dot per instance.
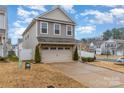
51 54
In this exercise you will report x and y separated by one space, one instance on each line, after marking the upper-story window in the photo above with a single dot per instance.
44 27
57 29
2 21
69 30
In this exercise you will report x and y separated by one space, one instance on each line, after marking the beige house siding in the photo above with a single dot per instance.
57 14
51 30
30 40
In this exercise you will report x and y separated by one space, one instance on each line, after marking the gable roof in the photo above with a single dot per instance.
119 40
45 13
58 9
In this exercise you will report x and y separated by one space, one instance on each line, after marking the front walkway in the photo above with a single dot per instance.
91 76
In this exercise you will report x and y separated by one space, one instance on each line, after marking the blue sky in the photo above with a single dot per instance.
91 20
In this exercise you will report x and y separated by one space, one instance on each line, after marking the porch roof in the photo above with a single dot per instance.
52 40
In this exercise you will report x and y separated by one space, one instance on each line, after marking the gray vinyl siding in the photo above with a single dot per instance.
51 31
2 21
31 41
4 29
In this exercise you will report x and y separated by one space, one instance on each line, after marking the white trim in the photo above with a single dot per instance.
67 30
41 27
59 29
36 28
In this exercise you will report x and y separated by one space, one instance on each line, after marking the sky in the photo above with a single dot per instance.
91 20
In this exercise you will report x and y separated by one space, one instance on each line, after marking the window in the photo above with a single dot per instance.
44 27
69 30
53 48
45 48
67 48
27 36
60 48
2 22
57 28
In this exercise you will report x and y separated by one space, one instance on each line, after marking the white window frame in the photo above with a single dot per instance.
41 27
59 29
67 30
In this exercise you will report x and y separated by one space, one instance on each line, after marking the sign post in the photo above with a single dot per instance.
20 61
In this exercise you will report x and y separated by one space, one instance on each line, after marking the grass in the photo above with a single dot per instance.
39 76
109 65
109 56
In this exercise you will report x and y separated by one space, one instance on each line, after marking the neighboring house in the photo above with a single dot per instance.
15 49
114 46
92 47
9 47
83 46
18 47
111 46
3 31
54 33
96 46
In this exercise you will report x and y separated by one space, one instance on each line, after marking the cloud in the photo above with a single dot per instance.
69 8
16 32
111 6
86 29
98 17
25 14
117 12
19 31
120 22
77 16
37 7
17 24
24 17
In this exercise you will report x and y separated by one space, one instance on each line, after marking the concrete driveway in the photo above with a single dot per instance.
91 76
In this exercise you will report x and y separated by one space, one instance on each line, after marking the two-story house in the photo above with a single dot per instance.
111 46
54 32
3 31
115 46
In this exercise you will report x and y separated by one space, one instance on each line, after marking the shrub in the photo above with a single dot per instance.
28 62
2 58
75 56
13 58
87 59
37 55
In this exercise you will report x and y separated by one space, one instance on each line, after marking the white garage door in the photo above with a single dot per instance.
56 54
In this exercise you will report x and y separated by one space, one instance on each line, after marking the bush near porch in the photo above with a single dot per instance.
3 59
75 56
87 59
37 55
13 58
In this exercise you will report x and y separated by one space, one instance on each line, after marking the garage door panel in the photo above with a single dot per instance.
56 55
